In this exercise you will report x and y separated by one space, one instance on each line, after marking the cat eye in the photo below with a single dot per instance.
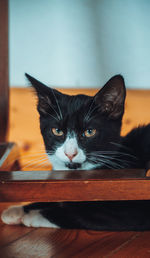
90 132
57 132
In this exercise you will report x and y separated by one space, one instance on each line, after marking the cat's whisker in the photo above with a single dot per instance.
33 155
121 164
39 165
87 115
108 160
121 146
25 156
113 158
37 159
55 111
36 154
61 116
52 116
110 157
114 164
106 163
118 153
28 164
94 160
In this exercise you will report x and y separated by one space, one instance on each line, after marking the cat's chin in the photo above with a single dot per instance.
72 165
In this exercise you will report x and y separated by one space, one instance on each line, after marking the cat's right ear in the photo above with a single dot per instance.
47 97
111 98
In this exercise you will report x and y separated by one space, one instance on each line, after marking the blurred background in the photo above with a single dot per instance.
79 43
76 46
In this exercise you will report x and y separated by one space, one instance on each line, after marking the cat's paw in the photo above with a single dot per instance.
12 215
35 219
15 215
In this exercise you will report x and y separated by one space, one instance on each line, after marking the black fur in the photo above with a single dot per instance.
102 112
102 215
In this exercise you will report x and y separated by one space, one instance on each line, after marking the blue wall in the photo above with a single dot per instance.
80 43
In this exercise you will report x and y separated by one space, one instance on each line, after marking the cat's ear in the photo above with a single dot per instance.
111 97
47 97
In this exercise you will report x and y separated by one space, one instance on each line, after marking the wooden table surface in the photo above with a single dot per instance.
19 241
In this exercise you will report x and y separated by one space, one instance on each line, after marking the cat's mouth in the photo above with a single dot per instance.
72 165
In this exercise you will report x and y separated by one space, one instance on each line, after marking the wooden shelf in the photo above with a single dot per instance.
42 186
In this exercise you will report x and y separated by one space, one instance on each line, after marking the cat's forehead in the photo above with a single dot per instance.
75 112
72 104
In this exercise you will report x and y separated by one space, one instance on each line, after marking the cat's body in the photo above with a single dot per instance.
83 132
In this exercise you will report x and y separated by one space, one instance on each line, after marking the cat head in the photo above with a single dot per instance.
79 132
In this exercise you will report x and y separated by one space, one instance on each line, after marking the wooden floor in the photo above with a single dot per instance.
22 242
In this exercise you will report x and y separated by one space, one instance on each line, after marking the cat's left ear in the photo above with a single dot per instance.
47 97
111 97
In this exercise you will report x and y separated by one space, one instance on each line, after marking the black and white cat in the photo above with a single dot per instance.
83 132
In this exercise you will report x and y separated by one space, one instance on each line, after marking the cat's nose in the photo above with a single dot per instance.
71 155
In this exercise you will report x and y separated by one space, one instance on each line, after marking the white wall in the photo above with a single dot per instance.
80 43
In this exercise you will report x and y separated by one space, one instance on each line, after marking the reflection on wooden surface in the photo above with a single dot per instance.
73 186
73 175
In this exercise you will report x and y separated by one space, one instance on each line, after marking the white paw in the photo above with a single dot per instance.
12 215
35 219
